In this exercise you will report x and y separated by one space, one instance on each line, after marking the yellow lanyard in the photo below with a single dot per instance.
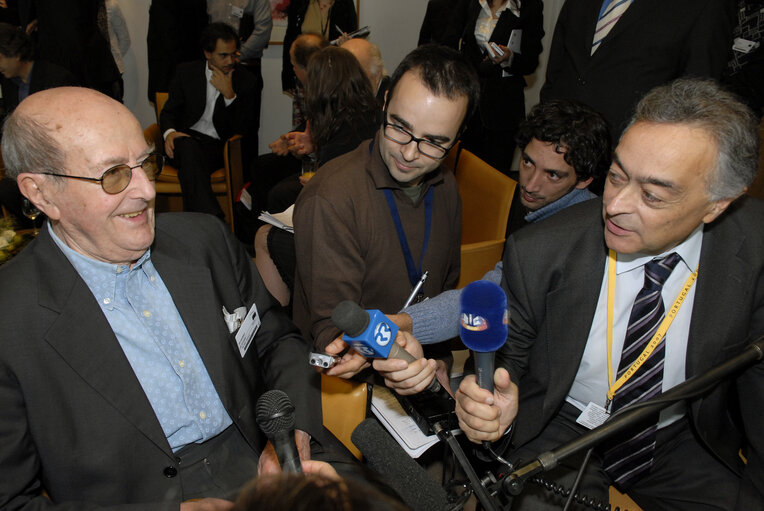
659 334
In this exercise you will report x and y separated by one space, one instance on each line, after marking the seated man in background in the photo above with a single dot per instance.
373 220
132 363
565 146
209 102
22 76
591 290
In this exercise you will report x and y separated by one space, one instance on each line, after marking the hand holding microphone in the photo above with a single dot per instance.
484 416
372 334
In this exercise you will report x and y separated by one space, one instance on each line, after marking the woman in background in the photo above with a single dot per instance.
342 112
516 28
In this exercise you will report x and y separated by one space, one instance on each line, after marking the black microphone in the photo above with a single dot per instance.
396 468
372 334
275 416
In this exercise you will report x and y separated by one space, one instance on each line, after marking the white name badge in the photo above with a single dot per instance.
237 11
592 416
248 329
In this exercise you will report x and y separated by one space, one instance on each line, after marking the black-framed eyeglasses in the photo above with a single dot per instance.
401 135
116 179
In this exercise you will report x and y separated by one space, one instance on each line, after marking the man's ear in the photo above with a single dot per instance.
580 185
717 208
40 192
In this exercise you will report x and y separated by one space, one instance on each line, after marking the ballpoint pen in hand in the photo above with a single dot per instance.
416 290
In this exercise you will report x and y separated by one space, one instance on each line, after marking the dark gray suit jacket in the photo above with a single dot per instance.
552 275
74 419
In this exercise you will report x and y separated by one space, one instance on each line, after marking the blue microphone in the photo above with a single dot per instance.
484 324
372 334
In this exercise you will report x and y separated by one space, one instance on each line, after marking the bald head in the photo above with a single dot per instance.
368 54
301 50
50 124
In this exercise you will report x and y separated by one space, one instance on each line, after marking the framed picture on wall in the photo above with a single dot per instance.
279 12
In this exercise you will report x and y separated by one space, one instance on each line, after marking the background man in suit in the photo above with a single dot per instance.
690 151
209 102
128 371
637 45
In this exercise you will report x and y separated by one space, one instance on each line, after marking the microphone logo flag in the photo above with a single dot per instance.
474 322
383 334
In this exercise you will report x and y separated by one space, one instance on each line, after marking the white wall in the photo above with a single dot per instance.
136 74
394 27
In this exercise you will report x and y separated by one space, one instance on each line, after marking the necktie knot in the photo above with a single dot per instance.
658 270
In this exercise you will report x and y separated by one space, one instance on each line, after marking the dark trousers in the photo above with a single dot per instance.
196 157
268 170
684 476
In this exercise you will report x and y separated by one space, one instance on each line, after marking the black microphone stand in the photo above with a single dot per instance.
514 482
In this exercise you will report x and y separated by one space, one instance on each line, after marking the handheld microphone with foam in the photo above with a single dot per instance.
483 326
275 416
371 334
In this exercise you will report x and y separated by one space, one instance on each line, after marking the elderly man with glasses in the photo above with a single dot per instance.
133 349
373 221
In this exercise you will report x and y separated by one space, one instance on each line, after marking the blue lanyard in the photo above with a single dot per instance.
415 273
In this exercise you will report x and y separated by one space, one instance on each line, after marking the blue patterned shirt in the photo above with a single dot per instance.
157 344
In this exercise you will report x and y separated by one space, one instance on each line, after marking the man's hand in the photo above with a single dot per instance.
299 143
222 82
483 416
169 143
269 461
351 364
322 469
280 146
407 378
207 505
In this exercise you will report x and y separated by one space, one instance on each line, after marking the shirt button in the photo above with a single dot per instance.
170 472
147 314
182 363
203 415
152 278
119 269
107 301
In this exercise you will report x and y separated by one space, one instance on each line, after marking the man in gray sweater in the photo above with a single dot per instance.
565 146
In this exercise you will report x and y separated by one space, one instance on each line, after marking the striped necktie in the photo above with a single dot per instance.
611 12
631 454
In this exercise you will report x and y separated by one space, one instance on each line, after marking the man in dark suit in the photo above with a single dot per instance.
131 364
690 151
209 102
652 43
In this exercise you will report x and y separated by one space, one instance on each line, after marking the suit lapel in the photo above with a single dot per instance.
636 13
570 310
83 337
721 275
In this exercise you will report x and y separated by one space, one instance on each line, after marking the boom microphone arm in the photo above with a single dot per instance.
696 385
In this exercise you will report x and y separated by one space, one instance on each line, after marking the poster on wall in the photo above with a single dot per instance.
279 13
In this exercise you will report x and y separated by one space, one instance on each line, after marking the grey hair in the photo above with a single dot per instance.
28 146
705 104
